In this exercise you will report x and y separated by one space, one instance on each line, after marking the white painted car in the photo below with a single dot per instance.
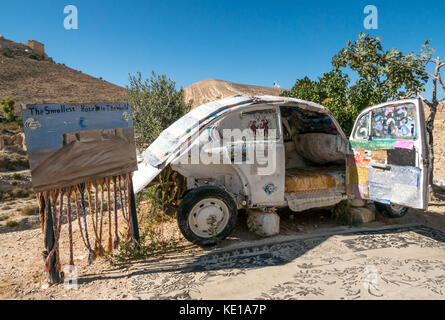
290 153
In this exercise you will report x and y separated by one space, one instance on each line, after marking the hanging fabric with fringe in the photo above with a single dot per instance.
102 200
81 157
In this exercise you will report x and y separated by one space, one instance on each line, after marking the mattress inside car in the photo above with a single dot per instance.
314 178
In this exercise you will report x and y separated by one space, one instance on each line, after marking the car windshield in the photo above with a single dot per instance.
174 136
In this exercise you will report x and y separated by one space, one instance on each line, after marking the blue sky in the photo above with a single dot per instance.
252 42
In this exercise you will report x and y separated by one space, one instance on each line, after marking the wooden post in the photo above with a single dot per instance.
53 275
133 216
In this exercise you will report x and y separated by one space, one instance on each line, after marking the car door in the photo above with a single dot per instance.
260 154
389 155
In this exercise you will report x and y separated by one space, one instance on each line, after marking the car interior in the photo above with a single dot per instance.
314 151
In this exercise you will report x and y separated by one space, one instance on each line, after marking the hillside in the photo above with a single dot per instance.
439 142
211 89
26 78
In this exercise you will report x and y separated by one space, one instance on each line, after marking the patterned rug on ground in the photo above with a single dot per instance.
397 263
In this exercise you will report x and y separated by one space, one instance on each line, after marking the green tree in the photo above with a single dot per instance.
382 75
7 107
335 86
331 91
156 105
387 75
306 89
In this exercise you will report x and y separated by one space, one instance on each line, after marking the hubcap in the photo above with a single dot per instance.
208 217
396 208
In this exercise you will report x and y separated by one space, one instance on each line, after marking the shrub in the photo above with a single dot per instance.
13 162
7 107
8 53
156 105
21 193
4 195
29 210
35 56
17 176
12 223
341 213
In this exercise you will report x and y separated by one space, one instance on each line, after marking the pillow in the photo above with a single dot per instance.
320 148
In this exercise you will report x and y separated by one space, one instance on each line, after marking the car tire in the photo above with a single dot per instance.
207 215
390 211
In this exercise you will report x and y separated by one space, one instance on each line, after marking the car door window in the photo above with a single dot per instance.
362 129
263 124
394 122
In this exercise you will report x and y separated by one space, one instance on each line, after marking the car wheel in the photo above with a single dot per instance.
390 210
207 215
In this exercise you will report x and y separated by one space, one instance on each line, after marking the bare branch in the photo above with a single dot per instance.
414 68
426 60
429 104
441 83
408 95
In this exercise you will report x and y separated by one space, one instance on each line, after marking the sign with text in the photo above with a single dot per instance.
70 144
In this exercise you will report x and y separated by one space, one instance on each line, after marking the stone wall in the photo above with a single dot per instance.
37 47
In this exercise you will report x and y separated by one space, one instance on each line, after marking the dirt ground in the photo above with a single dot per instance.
21 264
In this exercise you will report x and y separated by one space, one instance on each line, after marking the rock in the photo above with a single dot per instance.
362 214
358 203
23 141
18 139
265 224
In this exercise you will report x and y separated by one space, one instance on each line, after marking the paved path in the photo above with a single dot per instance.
391 263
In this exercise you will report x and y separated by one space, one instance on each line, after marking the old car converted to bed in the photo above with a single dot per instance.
269 152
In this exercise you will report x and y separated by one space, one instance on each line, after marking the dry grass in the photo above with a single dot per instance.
13 162
16 193
29 210
21 193
12 223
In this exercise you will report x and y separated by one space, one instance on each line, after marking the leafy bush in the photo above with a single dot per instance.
330 90
8 53
341 213
35 56
17 176
12 223
7 107
156 105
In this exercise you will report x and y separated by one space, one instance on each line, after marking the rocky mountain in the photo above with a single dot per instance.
27 76
212 89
